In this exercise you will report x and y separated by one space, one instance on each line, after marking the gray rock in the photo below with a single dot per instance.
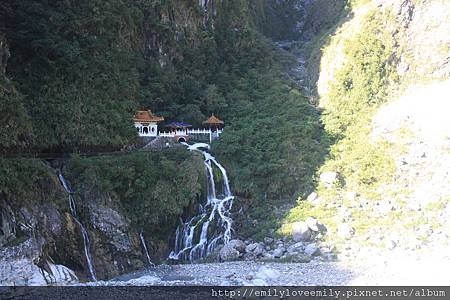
112 224
249 256
330 256
325 250
312 197
259 250
249 277
268 241
251 247
312 250
297 247
232 251
228 254
322 228
17 267
328 178
237 244
267 256
312 224
280 244
300 232
232 282
277 253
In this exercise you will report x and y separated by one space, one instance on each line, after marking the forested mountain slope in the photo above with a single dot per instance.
72 76
320 101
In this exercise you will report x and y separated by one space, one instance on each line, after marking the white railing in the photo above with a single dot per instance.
199 131
191 131
166 134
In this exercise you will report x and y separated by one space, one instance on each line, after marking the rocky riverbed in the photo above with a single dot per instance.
396 269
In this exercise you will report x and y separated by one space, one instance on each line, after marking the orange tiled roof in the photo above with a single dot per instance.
213 120
146 116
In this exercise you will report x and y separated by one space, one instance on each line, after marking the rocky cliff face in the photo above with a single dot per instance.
41 237
400 206
41 233
419 30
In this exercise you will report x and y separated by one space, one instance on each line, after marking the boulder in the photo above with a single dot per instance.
277 253
237 244
322 228
251 247
249 256
232 251
312 197
300 232
297 247
328 178
312 250
268 241
18 267
228 254
312 224
259 250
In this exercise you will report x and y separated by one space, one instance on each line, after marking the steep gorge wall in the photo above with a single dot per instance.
382 77
116 200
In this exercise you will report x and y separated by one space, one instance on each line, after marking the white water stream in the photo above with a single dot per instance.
73 211
199 236
141 236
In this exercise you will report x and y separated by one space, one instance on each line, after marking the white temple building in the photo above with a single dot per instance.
146 123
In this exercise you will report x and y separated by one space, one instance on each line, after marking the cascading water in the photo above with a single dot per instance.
196 238
141 236
73 211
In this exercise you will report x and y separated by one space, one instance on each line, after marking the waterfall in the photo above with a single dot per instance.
73 211
141 236
196 238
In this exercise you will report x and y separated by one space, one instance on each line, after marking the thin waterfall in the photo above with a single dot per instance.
199 236
141 236
73 211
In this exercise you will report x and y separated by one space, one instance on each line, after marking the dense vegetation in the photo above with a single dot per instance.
79 69
27 181
152 188
359 87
